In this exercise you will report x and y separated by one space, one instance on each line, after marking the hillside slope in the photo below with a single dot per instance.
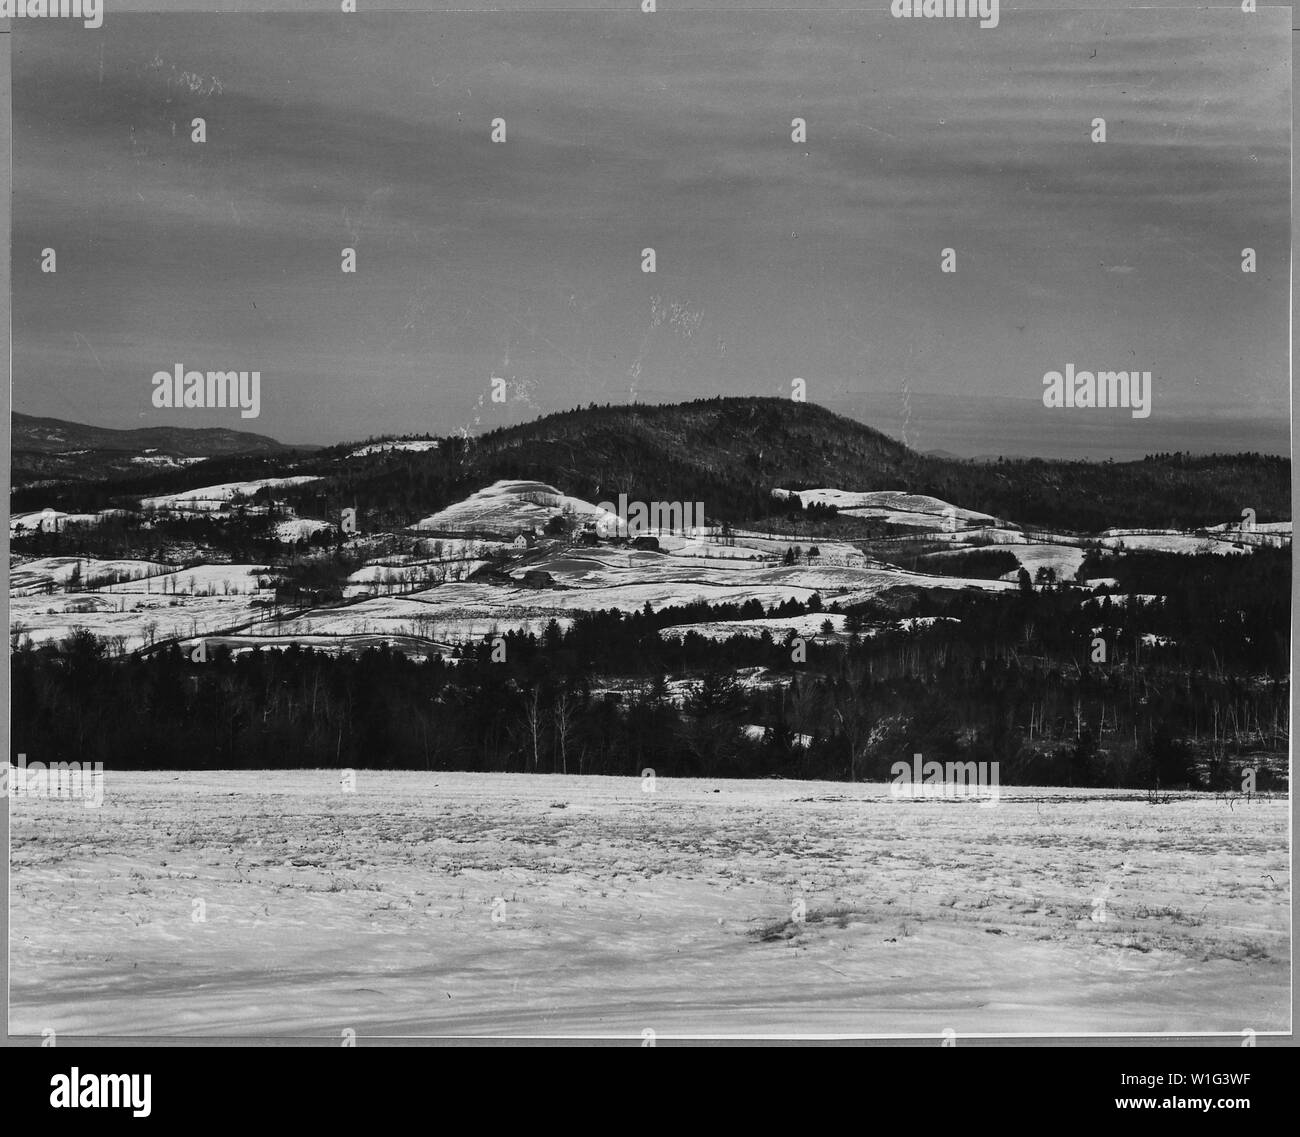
54 449
730 453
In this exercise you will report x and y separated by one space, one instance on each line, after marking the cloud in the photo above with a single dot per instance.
623 133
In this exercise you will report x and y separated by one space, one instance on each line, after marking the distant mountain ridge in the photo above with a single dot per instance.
729 453
51 435
51 449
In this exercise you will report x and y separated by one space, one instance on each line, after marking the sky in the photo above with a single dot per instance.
775 259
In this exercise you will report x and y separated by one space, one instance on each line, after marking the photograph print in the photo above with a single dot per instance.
650 524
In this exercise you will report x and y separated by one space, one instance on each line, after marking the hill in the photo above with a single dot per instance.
730 453
51 449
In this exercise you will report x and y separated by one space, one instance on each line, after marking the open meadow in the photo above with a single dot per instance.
282 903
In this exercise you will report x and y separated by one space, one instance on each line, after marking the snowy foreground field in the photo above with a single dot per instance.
481 904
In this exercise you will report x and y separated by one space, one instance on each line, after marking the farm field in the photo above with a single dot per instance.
482 904
206 601
428 602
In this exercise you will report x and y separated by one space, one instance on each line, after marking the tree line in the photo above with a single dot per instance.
1012 678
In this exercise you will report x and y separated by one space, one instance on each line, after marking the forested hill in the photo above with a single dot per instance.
734 450
52 449
730 453
54 436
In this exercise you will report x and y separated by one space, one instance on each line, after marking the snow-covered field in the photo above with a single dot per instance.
1167 542
510 506
53 520
429 594
1062 559
164 461
139 620
459 904
808 626
431 615
210 498
43 574
206 599
198 580
897 506
143 609
377 579
417 445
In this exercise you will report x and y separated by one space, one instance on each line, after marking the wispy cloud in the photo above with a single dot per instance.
326 133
